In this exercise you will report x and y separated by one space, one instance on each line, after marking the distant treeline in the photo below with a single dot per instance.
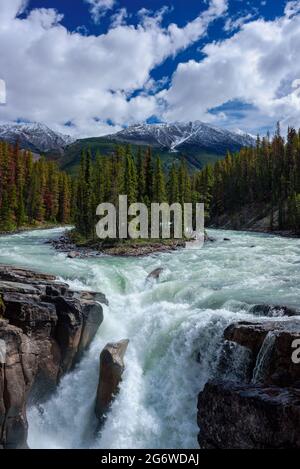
31 192
267 175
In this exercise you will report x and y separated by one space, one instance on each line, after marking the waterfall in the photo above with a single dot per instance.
263 358
175 326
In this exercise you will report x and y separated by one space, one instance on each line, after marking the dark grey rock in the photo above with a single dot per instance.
111 370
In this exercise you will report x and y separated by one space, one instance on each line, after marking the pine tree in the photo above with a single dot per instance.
173 185
159 186
130 177
148 171
141 176
184 183
64 209
28 189
20 208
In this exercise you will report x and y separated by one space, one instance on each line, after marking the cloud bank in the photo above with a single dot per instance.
91 85
56 76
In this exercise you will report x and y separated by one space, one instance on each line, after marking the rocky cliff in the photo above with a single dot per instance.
45 327
262 410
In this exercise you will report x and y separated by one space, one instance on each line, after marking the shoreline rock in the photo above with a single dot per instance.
44 328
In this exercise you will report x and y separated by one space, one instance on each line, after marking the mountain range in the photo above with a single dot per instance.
35 137
197 142
180 137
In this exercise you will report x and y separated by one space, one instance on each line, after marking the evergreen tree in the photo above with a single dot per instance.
173 185
29 189
159 186
148 171
130 177
141 176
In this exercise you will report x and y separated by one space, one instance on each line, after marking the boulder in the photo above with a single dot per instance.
155 274
111 370
273 310
73 254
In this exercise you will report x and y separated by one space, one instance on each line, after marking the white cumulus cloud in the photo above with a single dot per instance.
99 7
9 9
56 76
292 8
259 65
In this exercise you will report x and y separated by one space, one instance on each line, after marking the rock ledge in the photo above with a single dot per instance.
44 329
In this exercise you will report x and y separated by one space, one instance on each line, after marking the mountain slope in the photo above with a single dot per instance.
197 142
35 137
104 146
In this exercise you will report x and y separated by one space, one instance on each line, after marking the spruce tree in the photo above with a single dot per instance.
159 186
130 177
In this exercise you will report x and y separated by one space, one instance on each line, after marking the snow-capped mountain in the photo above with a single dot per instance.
35 137
180 136
197 142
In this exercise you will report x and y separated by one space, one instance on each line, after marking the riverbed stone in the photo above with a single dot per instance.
73 254
155 274
273 310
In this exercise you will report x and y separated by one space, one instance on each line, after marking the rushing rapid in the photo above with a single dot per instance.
175 327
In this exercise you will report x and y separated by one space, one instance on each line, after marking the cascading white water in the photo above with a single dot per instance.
175 327
263 358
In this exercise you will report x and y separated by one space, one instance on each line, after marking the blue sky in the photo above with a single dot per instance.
91 67
77 14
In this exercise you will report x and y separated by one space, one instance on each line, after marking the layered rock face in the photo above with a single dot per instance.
44 329
263 411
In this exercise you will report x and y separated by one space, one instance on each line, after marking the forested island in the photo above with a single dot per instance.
257 183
